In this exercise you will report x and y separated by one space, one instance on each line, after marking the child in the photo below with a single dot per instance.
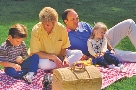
97 47
13 52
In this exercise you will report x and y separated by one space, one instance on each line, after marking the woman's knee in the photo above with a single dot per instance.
46 64
78 53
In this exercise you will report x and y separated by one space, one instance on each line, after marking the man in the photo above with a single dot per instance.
79 32
49 39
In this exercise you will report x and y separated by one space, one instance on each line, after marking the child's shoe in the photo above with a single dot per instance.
28 77
122 68
117 68
110 66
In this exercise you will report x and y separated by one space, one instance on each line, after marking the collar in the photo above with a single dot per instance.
68 30
43 30
8 43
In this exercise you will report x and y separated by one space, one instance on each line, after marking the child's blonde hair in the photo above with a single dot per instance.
98 25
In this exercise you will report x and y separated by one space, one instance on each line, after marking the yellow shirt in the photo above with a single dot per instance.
52 43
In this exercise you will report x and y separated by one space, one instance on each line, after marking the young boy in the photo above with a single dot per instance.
13 53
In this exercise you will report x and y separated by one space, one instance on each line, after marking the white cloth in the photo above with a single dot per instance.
115 34
73 56
125 56
97 46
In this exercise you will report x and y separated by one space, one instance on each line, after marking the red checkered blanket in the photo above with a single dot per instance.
9 83
109 76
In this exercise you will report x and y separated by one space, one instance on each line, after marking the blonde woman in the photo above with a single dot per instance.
49 39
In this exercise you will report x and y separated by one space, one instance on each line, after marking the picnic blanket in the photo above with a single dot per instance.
109 76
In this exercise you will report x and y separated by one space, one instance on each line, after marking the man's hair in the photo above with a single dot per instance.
48 14
98 25
65 13
18 31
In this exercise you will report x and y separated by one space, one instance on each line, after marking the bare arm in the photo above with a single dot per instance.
109 46
9 64
51 57
65 61
46 55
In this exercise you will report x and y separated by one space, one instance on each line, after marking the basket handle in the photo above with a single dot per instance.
78 66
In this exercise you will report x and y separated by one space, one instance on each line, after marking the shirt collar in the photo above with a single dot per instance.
8 43
68 30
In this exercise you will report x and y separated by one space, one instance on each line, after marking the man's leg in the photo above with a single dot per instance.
125 56
125 28
115 34
73 56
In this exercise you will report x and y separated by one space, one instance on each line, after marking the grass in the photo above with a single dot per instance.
110 12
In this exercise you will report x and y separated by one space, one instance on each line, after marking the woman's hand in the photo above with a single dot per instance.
57 61
66 62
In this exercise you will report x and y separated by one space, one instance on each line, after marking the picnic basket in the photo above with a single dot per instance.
77 77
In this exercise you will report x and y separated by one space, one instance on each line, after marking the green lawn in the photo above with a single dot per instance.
110 12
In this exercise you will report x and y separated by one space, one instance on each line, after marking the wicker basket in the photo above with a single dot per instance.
78 77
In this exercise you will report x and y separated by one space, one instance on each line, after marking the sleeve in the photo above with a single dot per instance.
90 48
86 26
3 54
35 40
104 45
66 42
24 51
89 28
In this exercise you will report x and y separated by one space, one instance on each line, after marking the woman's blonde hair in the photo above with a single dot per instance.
48 14
98 25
